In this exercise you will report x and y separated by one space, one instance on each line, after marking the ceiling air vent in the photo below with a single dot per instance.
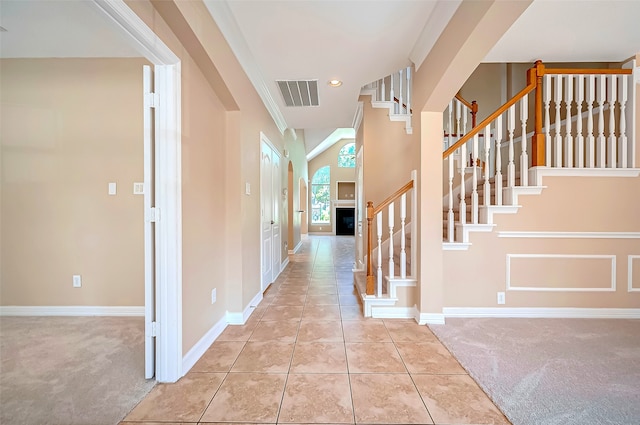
299 92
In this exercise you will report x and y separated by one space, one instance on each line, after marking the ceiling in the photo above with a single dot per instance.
356 41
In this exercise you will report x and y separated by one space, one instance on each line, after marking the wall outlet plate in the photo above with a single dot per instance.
501 298
77 281
214 295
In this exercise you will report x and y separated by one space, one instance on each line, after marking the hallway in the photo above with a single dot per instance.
307 355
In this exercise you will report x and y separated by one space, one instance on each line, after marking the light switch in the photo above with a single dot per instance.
247 188
112 188
138 188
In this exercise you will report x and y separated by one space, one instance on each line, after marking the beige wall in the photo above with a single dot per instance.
568 204
222 114
338 174
69 127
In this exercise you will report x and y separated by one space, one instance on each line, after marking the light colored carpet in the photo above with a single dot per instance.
552 371
70 370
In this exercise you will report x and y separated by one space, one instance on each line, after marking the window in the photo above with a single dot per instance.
320 196
347 156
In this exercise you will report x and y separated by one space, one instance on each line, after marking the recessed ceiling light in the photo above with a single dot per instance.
335 83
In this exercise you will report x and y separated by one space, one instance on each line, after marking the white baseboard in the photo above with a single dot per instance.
429 318
237 318
202 345
297 247
378 312
531 312
284 264
72 310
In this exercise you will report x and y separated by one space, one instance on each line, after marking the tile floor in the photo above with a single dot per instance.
307 355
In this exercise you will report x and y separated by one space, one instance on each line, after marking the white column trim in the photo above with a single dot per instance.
72 310
630 259
569 235
543 312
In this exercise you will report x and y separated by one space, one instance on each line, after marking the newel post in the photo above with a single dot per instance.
370 279
538 140
474 112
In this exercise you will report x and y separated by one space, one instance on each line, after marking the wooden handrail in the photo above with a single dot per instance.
404 105
586 71
371 213
398 193
464 101
528 89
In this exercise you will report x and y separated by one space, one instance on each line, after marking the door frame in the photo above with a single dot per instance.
277 197
168 244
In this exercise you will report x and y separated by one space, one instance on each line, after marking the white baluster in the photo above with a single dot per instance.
465 118
392 93
613 140
623 150
600 142
379 234
524 156
547 118
409 90
450 217
449 141
474 182
383 91
568 138
392 268
463 201
457 115
511 166
579 136
591 141
498 180
485 166
400 95
558 135
403 253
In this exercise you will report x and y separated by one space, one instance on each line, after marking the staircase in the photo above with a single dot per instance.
393 93
578 123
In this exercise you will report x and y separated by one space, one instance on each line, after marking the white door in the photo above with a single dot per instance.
270 212
149 226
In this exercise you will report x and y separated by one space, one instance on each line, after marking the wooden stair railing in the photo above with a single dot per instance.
373 212
568 90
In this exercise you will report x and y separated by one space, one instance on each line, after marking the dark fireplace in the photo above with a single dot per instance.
345 219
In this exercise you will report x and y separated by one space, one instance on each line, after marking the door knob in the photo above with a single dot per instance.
273 222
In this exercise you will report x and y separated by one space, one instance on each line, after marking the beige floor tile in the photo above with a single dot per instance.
281 331
373 357
317 399
237 332
409 330
283 312
349 299
292 290
290 299
265 357
312 330
353 312
319 357
323 290
457 399
331 299
387 399
347 289
219 357
185 400
321 312
247 397
428 357
365 331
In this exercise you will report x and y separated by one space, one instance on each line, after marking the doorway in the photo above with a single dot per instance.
290 212
270 175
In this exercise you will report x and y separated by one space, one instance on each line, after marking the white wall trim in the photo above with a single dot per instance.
537 173
297 247
240 318
379 312
427 318
612 288
198 350
223 16
630 259
543 312
73 310
168 179
570 235
284 264
357 118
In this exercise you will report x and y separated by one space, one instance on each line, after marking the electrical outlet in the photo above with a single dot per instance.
500 297
214 295
77 281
